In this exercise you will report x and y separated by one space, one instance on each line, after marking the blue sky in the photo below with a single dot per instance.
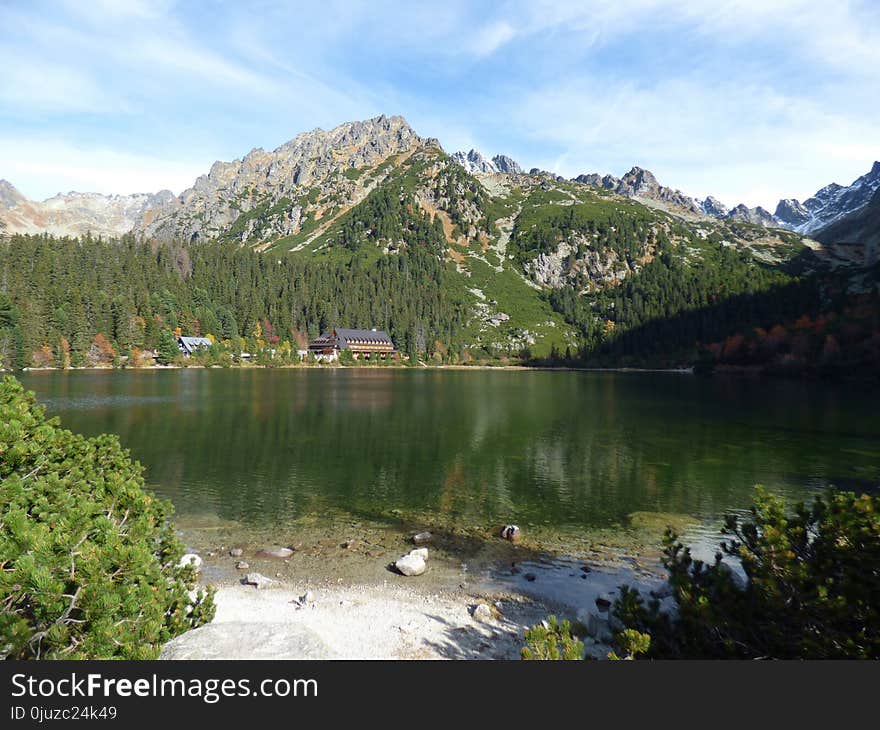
744 99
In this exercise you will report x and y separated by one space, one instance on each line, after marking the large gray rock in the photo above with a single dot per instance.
243 640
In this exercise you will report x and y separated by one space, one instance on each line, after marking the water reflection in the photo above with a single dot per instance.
541 448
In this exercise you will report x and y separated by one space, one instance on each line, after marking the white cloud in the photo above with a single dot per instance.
41 167
492 37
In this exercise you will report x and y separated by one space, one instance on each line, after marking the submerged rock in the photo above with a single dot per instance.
511 533
275 551
422 537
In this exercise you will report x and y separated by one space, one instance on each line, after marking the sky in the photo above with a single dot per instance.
746 100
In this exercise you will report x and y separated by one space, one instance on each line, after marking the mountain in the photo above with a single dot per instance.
476 164
371 225
75 214
830 204
641 184
758 216
857 229
713 207
294 187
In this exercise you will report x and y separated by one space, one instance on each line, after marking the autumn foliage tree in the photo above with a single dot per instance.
101 352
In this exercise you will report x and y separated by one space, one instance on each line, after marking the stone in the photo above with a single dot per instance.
483 612
248 640
241 565
236 552
259 581
422 537
603 604
411 564
275 551
349 544
421 552
511 533
191 559
530 577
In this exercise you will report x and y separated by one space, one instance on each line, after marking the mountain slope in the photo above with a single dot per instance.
830 204
859 229
282 192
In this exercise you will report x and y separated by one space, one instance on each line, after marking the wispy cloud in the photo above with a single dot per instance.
743 99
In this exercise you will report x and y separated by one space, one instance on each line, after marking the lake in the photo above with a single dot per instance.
559 453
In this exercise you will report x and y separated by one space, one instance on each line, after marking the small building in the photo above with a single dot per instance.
366 344
189 345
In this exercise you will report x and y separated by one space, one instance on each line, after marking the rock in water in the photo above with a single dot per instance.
236 552
191 559
275 551
422 537
259 581
413 563
511 533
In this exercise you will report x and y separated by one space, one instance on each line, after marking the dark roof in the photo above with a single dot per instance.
377 336
340 338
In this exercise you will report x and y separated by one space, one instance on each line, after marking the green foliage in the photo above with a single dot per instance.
88 560
812 588
167 350
552 640
632 644
78 288
621 226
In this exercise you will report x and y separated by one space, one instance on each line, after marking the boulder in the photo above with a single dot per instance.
191 559
236 553
259 581
413 563
241 565
275 551
483 612
422 537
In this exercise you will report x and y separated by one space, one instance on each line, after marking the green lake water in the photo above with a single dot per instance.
563 452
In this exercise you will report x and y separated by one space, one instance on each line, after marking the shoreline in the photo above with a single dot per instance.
334 602
421 366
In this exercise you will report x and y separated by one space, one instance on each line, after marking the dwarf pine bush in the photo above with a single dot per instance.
88 559
811 588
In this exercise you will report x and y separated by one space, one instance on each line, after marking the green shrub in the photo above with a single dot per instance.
811 591
552 640
88 559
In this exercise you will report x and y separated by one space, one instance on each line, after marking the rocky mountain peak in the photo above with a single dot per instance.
282 177
9 195
507 165
477 164
642 184
713 207
830 204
